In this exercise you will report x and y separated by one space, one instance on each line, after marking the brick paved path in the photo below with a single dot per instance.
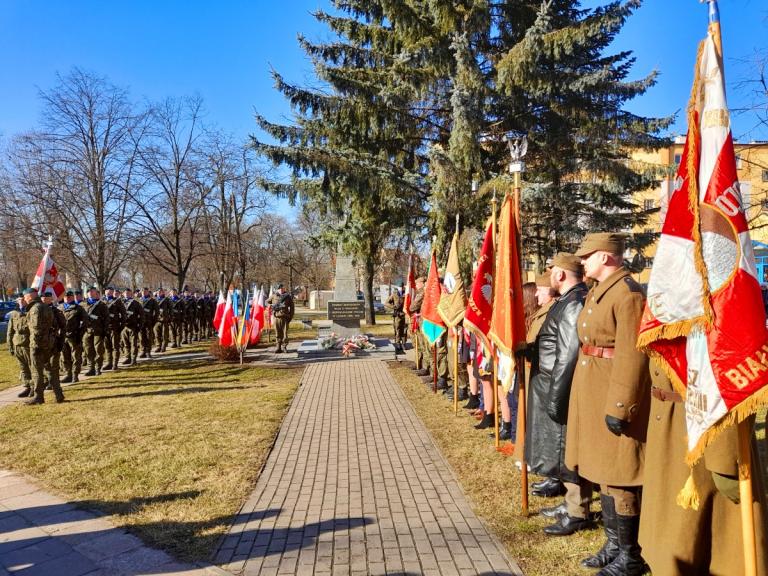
43 535
355 485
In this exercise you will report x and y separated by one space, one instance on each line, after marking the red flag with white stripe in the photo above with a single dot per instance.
257 316
222 302
47 275
704 317
227 323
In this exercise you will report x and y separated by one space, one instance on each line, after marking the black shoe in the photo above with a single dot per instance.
555 511
66 380
567 525
35 400
610 549
91 372
157 350
442 384
541 484
25 393
75 379
463 394
107 367
143 354
127 362
486 422
474 402
629 562
60 399
552 490
506 431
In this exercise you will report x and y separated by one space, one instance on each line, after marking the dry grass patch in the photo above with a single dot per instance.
9 369
171 448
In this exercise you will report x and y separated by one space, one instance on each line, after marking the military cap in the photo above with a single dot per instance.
29 291
145 288
280 285
69 293
543 280
568 262
110 287
78 292
49 292
93 288
608 241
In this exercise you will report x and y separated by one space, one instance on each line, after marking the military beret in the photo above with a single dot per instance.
78 292
69 293
280 285
110 287
543 280
49 292
568 262
29 291
93 288
145 288
608 241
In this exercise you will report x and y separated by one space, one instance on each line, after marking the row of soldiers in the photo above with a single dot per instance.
602 416
98 331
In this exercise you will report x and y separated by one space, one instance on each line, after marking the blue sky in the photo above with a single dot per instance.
223 50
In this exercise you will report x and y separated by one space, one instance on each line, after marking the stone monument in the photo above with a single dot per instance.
345 310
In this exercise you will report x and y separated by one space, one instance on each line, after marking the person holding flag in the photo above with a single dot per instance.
432 327
414 311
704 328
397 303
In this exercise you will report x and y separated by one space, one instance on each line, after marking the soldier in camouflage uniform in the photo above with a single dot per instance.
190 316
134 322
396 302
52 366
76 324
117 316
41 343
201 313
151 312
18 345
98 329
178 315
164 319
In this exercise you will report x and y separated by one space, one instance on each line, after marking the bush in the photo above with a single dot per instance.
224 353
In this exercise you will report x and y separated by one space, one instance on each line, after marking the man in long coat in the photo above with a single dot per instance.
610 401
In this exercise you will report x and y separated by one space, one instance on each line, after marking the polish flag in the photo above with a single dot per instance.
222 302
257 321
227 323
47 275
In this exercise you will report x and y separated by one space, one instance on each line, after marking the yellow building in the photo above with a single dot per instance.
752 165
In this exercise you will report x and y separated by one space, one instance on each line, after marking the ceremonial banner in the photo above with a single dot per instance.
454 302
431 323
257 322
222 302
227 323
410 286
507 329
477 316
704 319
47 275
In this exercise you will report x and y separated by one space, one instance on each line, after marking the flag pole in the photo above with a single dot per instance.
745 496
518 148
456 353
494 357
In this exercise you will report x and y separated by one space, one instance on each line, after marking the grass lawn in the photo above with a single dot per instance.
9 369
171 449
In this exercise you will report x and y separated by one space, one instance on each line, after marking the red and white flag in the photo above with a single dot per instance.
227 323
704 319
410 286
47 275
257 316
222 302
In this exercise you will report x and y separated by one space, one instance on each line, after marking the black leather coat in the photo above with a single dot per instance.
555 353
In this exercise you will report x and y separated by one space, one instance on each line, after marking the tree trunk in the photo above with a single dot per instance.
368 273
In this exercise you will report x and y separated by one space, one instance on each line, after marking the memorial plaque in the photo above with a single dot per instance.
343 311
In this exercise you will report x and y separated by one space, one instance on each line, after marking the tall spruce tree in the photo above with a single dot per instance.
580 132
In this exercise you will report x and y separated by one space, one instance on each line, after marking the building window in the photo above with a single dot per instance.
765 175
738 162
648 204
678 157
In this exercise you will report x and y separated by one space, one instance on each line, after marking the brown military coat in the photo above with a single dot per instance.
678 542
618 386
537 321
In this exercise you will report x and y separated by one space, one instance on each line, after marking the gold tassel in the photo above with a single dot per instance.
688 498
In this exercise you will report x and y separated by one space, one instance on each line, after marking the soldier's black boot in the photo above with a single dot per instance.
506 431
26 392
474 402
463 394
91 372
143 354
67 379
488 421
75 378
36 398
127 361
629 562
107 366
610 549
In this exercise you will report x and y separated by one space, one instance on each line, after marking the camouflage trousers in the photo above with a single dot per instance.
25 373
130 343
93 345
160 336
112 347
72 356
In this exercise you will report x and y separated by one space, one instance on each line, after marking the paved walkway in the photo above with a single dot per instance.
355 485
42 535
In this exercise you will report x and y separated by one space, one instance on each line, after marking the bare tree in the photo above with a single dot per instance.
170 203
76 173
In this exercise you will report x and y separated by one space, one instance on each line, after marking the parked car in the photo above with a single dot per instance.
378 307
6 307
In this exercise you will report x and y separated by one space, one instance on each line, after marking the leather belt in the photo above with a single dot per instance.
597 351
665 395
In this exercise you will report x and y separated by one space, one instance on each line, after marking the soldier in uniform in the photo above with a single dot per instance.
117 316
164 318
151 312
41 344
79 297
18 345
211 305
178 317
76 319
707 540
283 309
59 329
190 314
610 402
134 322
415 312
97 331
398 319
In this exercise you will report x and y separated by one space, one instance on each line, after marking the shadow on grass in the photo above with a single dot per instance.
191 390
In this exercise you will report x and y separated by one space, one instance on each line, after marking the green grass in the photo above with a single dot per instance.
170 449
9 369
